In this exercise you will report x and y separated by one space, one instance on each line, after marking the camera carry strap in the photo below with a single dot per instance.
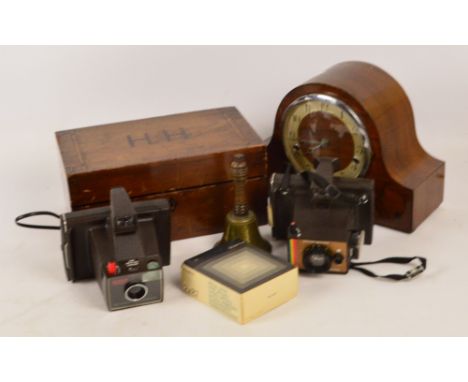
18 220
420 268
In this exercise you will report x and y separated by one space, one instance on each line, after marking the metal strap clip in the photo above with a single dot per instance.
411 274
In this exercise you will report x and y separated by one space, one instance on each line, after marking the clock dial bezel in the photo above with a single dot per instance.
316 102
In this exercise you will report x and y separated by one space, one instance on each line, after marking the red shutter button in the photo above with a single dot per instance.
112 268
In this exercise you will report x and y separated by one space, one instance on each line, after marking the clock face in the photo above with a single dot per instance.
318 125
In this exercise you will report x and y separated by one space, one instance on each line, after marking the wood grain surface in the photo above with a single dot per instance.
185 157
409 182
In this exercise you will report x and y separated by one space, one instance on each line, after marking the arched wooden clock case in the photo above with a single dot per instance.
377 139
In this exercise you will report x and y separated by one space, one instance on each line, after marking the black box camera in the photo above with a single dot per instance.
123 247
324 218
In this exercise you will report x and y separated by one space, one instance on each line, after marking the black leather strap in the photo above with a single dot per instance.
418 269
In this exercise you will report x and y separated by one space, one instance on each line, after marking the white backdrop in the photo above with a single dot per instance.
45 89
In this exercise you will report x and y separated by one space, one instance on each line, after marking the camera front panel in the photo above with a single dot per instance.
133 289
130 282
319 256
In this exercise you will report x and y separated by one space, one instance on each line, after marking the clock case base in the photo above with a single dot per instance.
409 183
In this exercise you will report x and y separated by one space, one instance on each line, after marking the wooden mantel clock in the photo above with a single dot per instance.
357 112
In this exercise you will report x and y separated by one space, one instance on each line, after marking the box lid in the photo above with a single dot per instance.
238 265
158 154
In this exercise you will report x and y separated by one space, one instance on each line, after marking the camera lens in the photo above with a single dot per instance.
316 258
136 292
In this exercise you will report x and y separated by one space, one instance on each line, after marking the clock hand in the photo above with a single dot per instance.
318 144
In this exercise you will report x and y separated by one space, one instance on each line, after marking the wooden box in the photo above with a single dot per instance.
184 157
